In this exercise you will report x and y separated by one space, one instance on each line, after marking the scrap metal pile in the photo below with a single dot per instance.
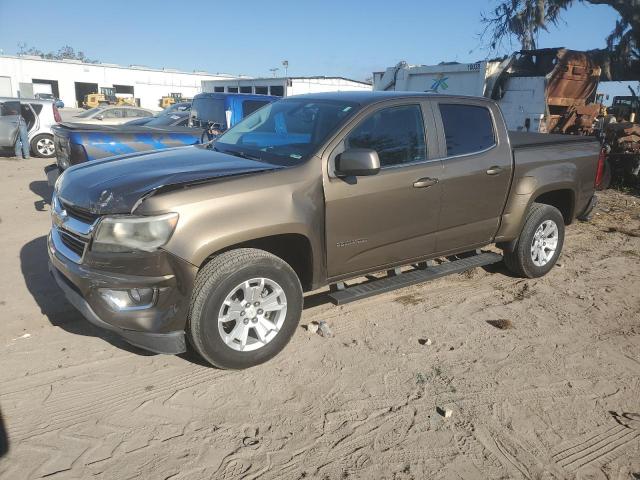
622 144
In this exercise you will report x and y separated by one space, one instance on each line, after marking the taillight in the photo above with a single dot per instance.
600 170
56 114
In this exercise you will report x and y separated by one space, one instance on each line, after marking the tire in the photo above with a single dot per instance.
42 146
221 281
519 258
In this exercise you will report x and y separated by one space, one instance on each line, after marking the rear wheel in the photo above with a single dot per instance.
540 243
245 307
43 146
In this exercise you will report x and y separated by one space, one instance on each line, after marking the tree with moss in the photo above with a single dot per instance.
524 19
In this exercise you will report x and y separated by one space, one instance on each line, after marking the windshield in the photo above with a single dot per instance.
161 120
288 130
207 109
90 112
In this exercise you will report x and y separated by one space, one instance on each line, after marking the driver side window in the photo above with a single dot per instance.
396 133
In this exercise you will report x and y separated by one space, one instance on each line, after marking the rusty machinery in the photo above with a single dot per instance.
571 81
573 107
620 135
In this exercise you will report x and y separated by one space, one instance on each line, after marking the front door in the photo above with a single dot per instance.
376 221
477 170
9 111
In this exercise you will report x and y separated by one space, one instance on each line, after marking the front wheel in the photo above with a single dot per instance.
43 146
540 243
245 307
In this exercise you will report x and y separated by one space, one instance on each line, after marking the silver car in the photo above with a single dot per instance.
40 116
110 115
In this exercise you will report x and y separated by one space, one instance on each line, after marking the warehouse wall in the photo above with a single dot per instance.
287 86
149 84
300 86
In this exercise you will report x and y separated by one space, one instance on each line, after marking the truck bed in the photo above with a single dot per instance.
534 139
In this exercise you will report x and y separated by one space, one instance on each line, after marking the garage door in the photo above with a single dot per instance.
5 87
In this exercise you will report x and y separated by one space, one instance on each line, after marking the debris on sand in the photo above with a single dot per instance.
312 327
324 330
501 324
445 412
425 341
625 231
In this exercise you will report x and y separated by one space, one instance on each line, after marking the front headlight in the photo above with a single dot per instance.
123 234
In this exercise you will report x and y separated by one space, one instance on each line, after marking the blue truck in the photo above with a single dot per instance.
78 143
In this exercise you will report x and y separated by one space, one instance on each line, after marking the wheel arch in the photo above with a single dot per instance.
293 248
564 199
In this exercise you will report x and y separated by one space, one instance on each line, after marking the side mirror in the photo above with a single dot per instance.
357 162
99 117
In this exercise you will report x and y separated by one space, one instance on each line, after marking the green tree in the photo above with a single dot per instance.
524 19
65 53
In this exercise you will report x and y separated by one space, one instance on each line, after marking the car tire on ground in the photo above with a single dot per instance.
245 306
540 243
42 146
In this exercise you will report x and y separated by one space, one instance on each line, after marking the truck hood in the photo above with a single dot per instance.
116 184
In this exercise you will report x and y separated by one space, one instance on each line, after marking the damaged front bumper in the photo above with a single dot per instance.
159 326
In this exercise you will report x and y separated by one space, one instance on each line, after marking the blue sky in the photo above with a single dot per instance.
348 38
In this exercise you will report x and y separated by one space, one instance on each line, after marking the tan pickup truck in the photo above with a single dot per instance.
215 244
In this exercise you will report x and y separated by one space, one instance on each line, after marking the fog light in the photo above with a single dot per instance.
131 299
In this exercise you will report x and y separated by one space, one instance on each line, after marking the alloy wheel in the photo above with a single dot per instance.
45 147
544 243
252 314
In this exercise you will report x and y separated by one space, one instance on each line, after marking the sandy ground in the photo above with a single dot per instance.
553 395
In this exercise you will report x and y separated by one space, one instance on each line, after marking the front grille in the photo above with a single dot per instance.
80 213
74 244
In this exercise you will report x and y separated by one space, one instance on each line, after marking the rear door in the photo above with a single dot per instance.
8 122
379 220
477 169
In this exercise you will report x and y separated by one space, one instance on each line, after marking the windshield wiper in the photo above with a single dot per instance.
237 153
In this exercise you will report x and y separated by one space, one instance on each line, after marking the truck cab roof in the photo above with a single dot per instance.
366 98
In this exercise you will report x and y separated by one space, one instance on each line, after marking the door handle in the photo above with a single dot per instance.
425 182
494 170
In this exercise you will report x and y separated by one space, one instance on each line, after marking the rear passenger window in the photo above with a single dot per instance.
467 128
250 106
396 133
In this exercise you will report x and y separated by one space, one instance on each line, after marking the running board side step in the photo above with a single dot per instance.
411 277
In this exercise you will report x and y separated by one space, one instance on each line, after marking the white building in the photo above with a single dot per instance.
71 80
284 86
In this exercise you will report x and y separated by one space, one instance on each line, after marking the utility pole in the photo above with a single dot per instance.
285 64
273 71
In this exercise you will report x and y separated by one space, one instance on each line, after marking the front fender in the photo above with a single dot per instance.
235 210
